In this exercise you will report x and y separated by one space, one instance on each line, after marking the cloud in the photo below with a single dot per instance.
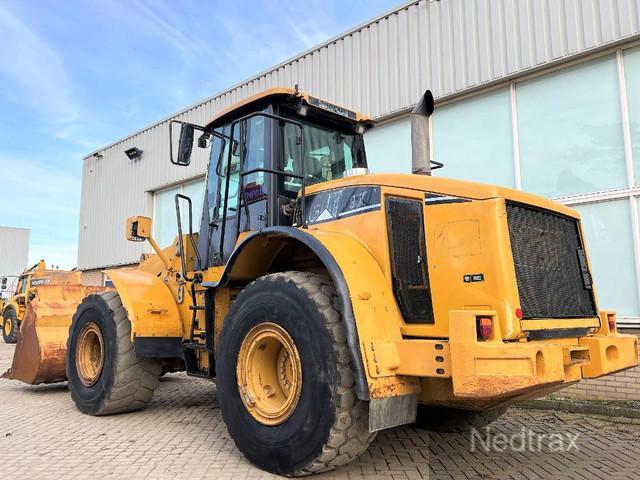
160 27
33 73
304 21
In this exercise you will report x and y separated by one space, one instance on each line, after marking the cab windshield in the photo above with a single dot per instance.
327 154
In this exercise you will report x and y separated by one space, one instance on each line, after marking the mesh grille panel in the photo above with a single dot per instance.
407 249
553 280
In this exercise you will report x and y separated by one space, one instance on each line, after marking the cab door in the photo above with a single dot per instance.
237 190
21 294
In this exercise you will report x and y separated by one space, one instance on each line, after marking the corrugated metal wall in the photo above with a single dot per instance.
14 250
379 68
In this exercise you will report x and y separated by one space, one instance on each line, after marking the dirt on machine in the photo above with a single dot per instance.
37 318
330 303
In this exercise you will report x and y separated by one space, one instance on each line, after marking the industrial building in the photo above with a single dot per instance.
14 255
535 95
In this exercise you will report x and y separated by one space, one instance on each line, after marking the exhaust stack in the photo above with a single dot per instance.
420 151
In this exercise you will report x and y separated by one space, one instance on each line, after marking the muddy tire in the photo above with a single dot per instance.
328 426
455 420
105 376
10 326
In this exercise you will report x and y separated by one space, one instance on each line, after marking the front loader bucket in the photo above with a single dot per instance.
39 356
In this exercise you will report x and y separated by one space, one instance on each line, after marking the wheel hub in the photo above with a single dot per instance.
269 374
8 326
90 354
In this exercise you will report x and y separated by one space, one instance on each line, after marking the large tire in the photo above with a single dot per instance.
10 326
455 420
329 426
124 382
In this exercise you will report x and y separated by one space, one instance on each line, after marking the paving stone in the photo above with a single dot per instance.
181 435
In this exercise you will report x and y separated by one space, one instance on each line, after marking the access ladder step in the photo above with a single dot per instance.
195 346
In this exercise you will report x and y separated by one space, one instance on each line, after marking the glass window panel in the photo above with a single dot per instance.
632 78
255 152
388 147
327 154
570 130
165 227
195 191
233 172
607 228
473 139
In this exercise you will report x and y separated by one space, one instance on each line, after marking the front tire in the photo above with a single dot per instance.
455 420
10 326
294 410
105 376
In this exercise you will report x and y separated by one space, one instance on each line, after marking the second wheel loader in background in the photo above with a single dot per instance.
24 290
329 303
37 316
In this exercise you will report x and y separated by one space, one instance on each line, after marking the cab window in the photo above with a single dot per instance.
327 154
254 158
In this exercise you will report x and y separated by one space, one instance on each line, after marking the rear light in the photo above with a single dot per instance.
484 327
519 313
611 319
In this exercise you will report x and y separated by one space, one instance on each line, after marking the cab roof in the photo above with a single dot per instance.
274 94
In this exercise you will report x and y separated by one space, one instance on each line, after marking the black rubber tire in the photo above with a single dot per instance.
11 317
330 426
454 420
127 382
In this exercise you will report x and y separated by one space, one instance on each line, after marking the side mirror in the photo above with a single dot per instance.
184 133
185 146
4 281
138 228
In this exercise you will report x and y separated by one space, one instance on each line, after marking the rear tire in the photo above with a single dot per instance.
123 382
455 420
328 426
10 326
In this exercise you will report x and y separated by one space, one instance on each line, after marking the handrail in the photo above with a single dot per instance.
183 260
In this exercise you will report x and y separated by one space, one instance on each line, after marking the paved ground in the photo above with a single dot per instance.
181 435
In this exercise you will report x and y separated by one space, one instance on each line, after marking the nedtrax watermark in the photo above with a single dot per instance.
525 440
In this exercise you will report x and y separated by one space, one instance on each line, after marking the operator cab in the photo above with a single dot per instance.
263 154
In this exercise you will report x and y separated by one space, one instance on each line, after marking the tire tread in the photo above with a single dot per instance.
135 379
349 436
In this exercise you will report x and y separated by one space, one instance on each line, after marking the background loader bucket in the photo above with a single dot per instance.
39 356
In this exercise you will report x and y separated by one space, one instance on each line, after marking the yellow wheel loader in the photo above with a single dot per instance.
37 316
329 303
14 308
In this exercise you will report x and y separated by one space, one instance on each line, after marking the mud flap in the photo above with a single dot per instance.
392 411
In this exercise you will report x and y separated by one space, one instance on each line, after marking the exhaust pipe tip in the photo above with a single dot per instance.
425 105
420 148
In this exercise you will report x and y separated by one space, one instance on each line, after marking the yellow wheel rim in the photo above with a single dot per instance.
90 354
269 373
8 326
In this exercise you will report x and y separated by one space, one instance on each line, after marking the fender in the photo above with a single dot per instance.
366 301
150 305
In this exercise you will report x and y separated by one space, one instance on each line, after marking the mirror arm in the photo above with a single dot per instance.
160 253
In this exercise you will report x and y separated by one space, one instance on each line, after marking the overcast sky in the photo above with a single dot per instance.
76 75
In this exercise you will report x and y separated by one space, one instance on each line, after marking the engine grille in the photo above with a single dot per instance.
551 269
407 248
